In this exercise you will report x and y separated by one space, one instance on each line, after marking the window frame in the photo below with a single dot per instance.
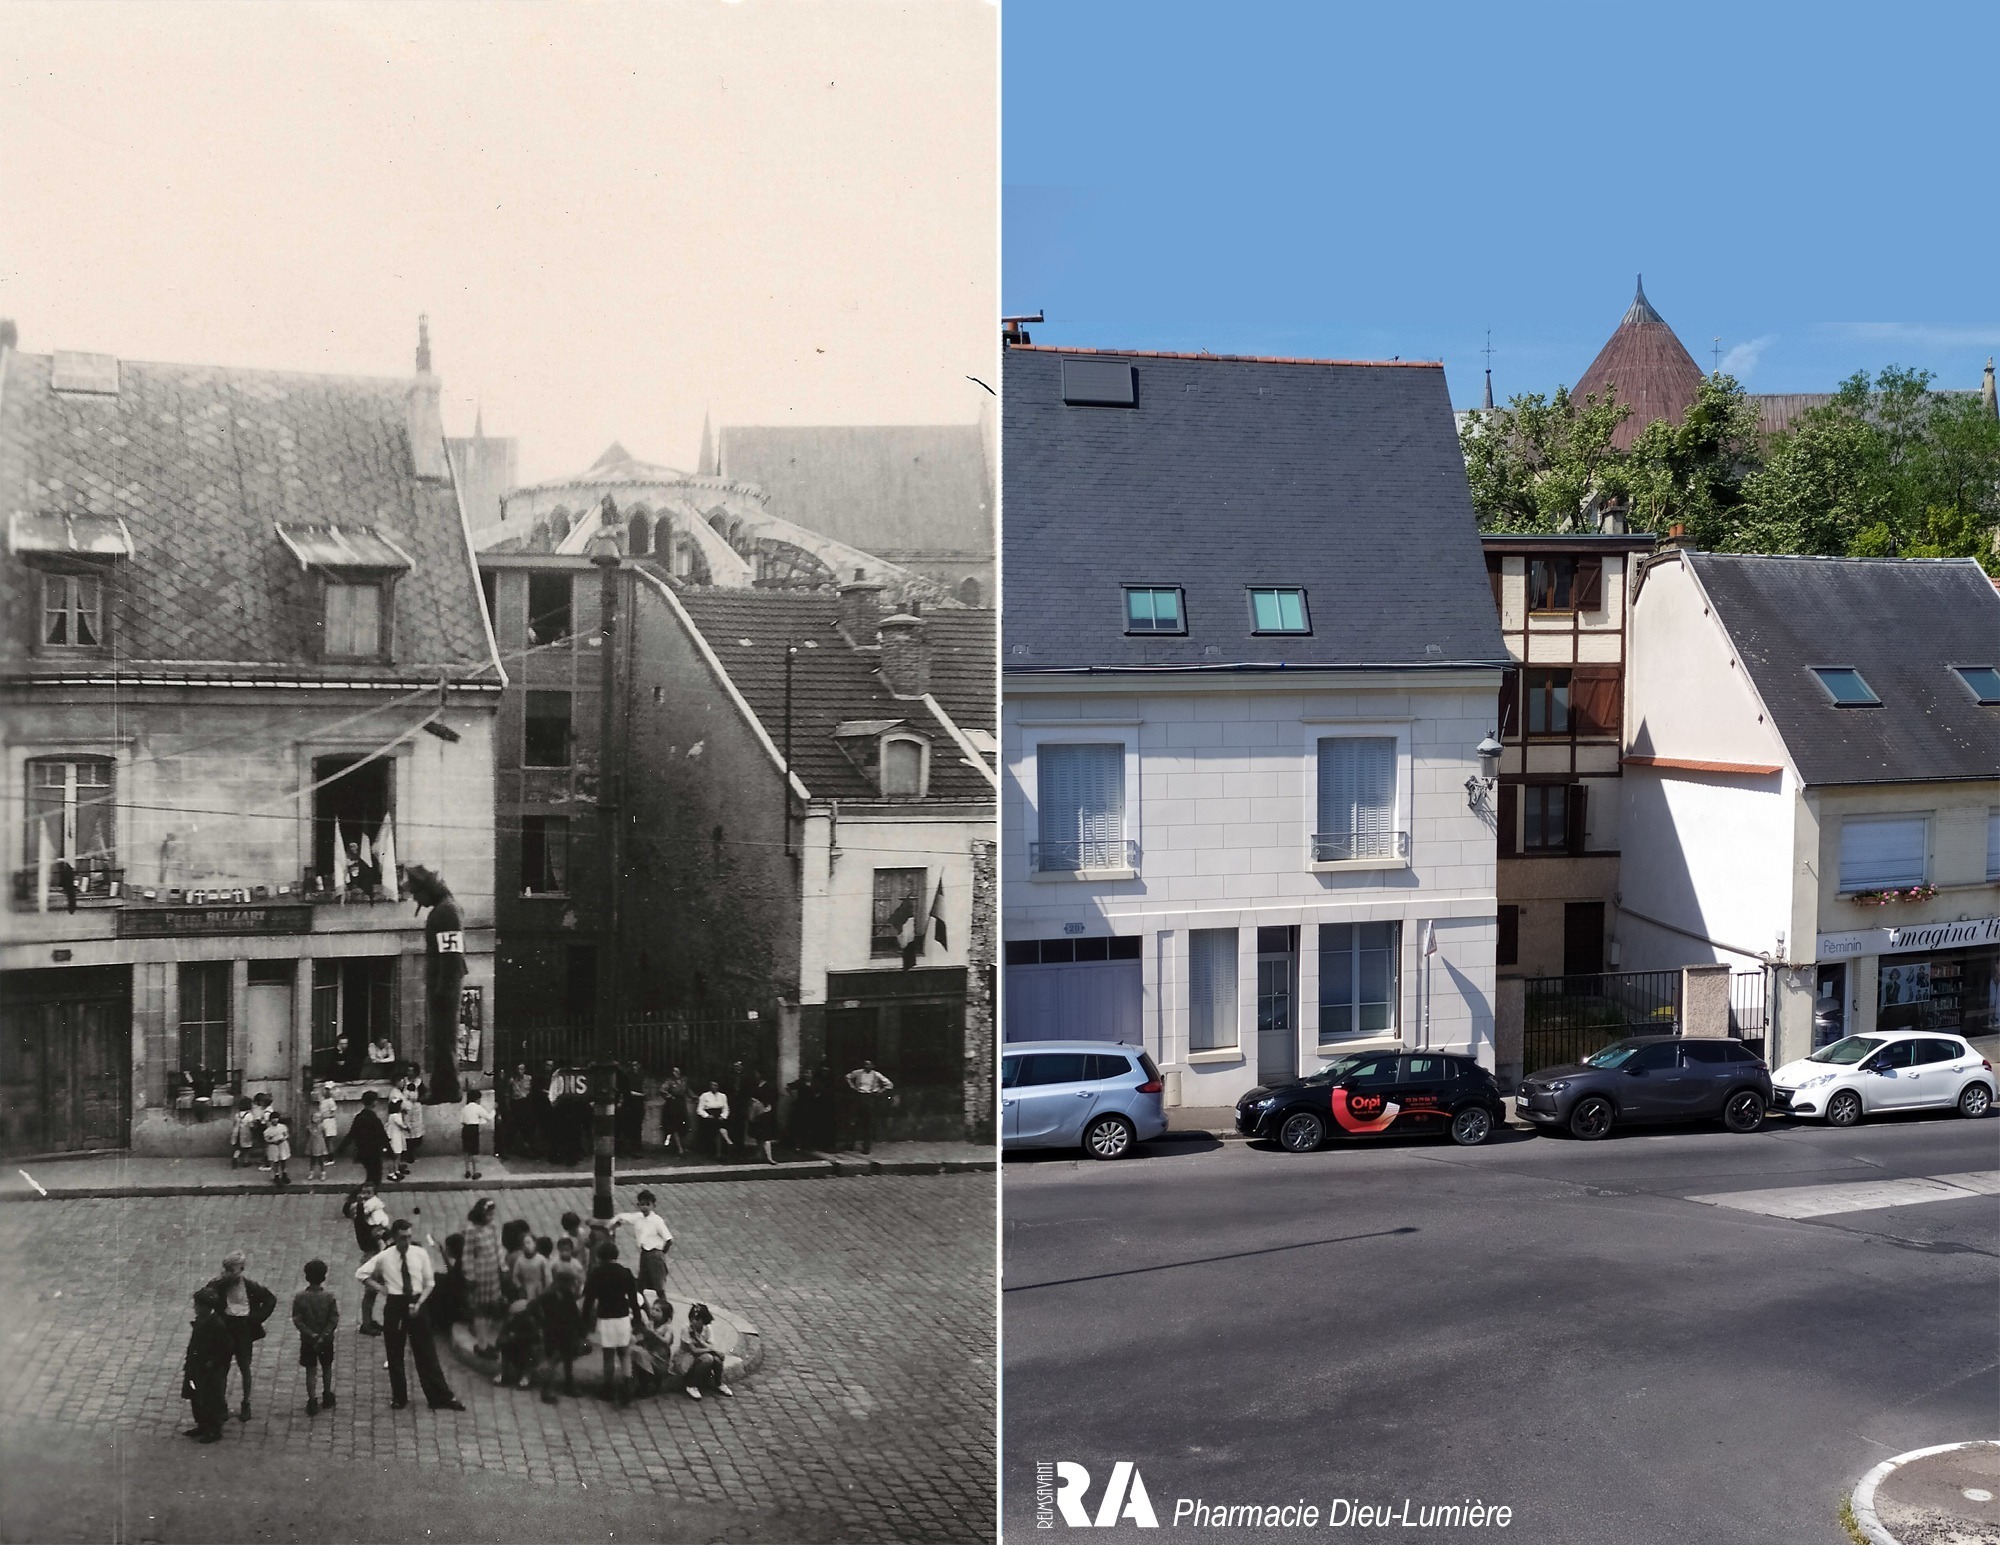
1401 818
70 807
1559 569
1122 735
384 586
1821 672
1536 794
547 577
1133 630
904 738
545 825
529 719
1979 695
884 946
71 582
207 1025
1921 818
1539 693
1304 630
1339 1039
1224 1008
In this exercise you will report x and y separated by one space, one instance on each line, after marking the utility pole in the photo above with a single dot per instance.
605 554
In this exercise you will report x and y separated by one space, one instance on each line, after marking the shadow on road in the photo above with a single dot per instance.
1210 1260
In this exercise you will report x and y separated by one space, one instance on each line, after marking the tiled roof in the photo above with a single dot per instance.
1344 479
895 490
1649 369
833 684
1902 622
202 463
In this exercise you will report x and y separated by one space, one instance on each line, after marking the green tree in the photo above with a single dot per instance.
1536 464
1692 472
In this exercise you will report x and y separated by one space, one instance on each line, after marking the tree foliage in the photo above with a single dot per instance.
1537 465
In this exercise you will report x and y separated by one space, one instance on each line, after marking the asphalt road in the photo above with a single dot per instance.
1539 1323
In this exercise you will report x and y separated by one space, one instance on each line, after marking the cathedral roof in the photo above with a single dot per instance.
1647 367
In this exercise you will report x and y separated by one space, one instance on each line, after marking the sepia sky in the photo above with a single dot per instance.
618 216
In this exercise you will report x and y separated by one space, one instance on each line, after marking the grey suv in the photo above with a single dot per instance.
1099 1095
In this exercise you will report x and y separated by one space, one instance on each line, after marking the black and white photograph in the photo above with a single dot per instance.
498 701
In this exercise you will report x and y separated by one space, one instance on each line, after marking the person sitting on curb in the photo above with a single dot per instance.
701 1364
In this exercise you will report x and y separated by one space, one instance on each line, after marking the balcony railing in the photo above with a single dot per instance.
1083 853
1340 847
95 882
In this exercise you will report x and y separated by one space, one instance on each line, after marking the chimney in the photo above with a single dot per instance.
1676 541
906 655
10 338
860 610
426 413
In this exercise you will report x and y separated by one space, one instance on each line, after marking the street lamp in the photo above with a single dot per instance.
1479 787
605 553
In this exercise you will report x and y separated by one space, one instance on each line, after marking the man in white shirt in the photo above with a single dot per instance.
404 1276
654 1239
871 1090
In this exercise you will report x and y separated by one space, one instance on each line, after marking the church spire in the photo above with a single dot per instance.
1641 310
1987 398
705 463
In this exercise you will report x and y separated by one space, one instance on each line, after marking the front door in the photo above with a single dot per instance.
1277 1005
65 1061
1583 938
267 1024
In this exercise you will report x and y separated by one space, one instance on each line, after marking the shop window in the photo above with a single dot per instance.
356 616
546 741
204 1012
1883 852
72 611
544 855
1548 701
354 1017
1212 1018
898 918
70 806
1358 971
549 597
354 845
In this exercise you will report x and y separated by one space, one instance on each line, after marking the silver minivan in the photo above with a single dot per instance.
1101 1096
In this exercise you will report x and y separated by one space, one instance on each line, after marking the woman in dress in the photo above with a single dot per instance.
485 1298
764 1118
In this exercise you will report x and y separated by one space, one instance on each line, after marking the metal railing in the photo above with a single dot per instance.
1750 1008
1083 853
1569 1017
1339 847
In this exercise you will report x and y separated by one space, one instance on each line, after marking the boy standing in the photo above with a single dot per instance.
278 1149
205 1374
371 1233
316 1313
476 1115
654 1239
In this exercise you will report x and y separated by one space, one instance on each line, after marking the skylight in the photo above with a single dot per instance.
1845 686
1153 609
1278 610
1983 679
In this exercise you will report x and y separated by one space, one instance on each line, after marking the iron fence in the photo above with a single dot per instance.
1340 847
1569 1017
1750 1008
701 1048
1067 857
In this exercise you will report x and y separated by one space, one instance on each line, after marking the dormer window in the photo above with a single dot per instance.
72 611
76 556
357 568
905 762
1278 609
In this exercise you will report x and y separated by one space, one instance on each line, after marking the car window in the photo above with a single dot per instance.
1955 1050
1052 1067
1010 1070
1106 1067
1705 1053
1736 1051
1898 1054
1848 1049
1152 1068
1655 1057
1428 1070
1929 1052
1373 1070
1616 1055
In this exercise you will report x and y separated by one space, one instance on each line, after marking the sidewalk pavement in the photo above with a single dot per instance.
127 1174
1947 1495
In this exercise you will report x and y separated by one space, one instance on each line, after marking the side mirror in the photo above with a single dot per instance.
1635 1072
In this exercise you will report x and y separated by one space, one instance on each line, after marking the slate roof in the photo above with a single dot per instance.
1903 623
895 490
1344 478
833 684
202 463
1649 368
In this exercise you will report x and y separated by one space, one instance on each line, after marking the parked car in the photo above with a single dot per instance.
1897 1070
1646 1078
1365 1094
1099 1095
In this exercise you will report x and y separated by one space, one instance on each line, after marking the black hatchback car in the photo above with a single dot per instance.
1365 1094
1648 1078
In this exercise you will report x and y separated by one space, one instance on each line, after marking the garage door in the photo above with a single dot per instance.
1074 990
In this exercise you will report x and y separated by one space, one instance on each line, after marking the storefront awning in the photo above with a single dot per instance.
101 537
350 548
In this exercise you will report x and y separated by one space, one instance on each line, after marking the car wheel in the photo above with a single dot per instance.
1743 1111
1592 1117
1975 1102
1301 1132
1472 1126
1108 1137
1844 1109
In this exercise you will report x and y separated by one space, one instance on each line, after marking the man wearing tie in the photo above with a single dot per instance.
404 1276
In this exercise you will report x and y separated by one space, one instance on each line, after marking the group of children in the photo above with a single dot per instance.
259 1127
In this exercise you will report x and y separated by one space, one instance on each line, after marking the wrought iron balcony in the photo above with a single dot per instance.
1083 853
1340 847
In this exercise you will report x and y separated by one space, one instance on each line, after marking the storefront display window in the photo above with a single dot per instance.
1955 990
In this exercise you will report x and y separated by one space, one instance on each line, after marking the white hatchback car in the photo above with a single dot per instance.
1861 1075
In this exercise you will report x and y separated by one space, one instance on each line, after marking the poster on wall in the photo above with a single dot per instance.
471 1012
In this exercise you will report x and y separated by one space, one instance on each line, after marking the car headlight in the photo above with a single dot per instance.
1556 1087
1814 1083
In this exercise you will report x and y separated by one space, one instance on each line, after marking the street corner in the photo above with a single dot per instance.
1945 1495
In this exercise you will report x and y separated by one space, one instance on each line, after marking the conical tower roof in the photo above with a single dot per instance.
1647 367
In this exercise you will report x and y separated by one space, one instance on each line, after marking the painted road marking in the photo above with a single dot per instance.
1863 1196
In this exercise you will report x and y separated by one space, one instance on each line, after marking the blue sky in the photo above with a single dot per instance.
1818 186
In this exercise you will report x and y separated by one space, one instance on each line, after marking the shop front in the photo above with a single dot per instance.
1931 976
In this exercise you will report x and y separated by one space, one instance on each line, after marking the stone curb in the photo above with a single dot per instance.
1864 1494
820 1168
737 1365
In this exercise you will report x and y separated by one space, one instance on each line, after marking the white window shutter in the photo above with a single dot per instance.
1882 852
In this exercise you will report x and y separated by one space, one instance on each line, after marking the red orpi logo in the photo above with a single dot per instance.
1363 1112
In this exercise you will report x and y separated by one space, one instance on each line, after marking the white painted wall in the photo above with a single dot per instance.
1221 795
1686 694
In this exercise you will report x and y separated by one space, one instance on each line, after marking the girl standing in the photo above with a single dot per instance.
399 1139
612 1294
320 1129
485 1298
278 1148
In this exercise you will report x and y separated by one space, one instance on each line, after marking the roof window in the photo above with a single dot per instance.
1278 609
90 375
1845 686
1099 383
1154 609
1984 681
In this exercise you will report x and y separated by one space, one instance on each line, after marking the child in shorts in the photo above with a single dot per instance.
316 1313
242 1140
278 1148
320 1128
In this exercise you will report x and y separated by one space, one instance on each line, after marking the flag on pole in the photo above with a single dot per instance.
385 853
340 875
44 859
367 849
909 938
937 917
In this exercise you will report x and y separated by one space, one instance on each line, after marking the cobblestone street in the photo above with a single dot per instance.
873 1417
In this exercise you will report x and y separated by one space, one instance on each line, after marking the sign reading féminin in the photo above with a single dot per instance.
1969 933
